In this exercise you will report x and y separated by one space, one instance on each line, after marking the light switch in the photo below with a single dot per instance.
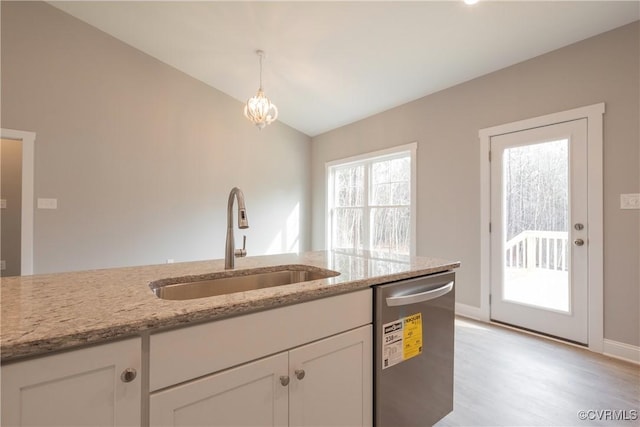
3 203
630 201
3 265
47 203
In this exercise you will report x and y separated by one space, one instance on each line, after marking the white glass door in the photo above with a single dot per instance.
538 237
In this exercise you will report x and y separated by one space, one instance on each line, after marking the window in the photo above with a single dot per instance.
371 201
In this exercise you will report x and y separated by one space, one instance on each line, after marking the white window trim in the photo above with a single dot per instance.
410 148
594 115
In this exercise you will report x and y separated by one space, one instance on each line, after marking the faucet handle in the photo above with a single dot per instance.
239 253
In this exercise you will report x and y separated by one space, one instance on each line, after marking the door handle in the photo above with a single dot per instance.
420 297
578 242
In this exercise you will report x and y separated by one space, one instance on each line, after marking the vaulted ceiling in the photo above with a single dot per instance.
330 63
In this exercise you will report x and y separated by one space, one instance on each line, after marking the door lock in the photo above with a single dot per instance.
578 242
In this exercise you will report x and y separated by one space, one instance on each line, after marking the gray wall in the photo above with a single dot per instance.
445 125
11 217
140 156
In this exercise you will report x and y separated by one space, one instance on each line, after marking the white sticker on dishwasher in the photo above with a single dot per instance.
391 343
401 340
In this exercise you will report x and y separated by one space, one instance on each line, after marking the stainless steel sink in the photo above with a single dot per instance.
192 287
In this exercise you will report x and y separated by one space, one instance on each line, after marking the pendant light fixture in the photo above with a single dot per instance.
258 108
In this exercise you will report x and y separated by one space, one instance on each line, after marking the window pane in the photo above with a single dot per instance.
380 172
390 182
390 229
349 186
379 219
348 228
401 194
381 194
399 169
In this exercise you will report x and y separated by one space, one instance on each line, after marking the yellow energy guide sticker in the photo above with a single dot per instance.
401 340
412 338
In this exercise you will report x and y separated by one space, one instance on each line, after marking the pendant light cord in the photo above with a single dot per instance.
261 55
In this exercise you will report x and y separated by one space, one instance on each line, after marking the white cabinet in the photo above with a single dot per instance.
331 381
325 383
302 364
195 351
249 395
78 388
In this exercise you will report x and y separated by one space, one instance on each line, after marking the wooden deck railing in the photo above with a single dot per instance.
538 249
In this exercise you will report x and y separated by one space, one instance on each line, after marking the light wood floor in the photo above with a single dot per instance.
505 377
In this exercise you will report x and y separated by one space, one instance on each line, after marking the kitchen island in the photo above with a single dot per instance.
50 312
173 350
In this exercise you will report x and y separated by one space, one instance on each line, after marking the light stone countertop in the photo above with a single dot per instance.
50 312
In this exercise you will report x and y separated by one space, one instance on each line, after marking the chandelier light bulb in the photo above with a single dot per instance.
259 109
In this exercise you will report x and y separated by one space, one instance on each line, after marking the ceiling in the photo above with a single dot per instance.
330 63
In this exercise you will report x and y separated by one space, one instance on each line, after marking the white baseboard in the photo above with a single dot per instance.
469 311
620 350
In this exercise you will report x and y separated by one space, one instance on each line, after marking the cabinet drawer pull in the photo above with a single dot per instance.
299 373
284 380
128 375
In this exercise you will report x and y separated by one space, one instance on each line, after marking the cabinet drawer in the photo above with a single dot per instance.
191 352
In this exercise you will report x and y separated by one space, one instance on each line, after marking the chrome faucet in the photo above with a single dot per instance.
230 253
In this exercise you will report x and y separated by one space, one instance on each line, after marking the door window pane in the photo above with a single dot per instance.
536 212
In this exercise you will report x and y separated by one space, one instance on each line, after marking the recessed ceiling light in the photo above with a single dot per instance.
470 2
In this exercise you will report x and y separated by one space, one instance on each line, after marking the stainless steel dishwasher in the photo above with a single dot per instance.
413 356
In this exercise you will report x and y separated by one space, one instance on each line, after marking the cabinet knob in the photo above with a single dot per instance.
284 380
128 375
299 373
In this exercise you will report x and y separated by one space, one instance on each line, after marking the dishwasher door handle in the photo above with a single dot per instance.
420 297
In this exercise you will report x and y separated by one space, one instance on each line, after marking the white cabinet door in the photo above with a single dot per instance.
248 395
331 381
78 388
